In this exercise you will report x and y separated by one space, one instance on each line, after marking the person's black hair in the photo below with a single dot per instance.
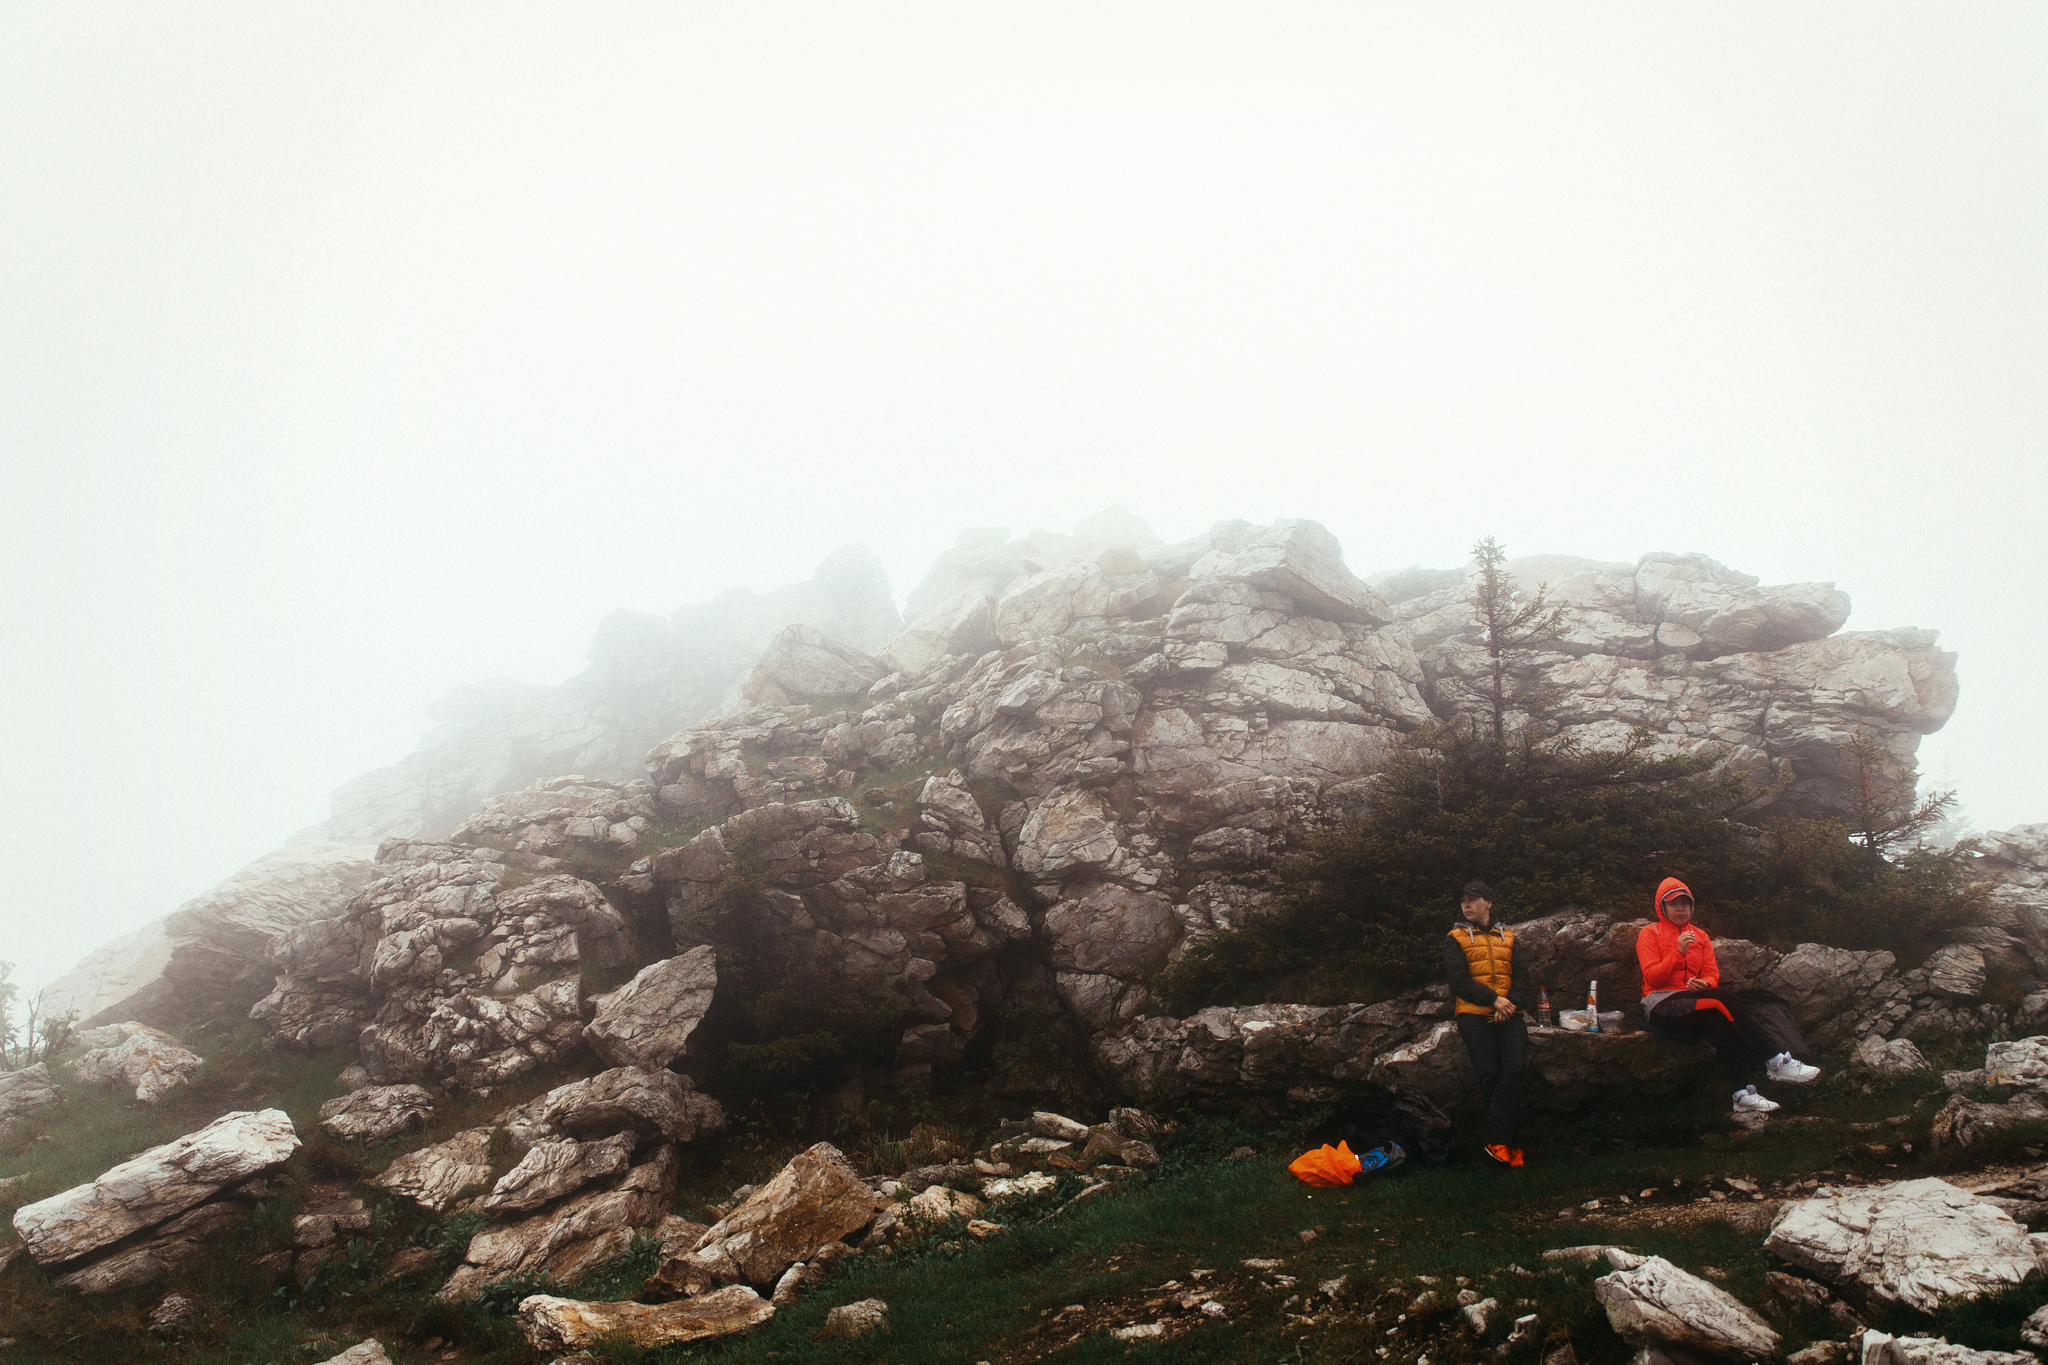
1475 891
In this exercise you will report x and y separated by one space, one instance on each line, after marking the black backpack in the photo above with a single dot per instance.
1426 1128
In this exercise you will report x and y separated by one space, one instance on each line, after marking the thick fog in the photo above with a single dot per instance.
353 352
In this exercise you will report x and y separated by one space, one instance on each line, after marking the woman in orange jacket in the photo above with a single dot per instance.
1683 1001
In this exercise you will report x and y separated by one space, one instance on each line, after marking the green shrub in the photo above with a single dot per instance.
1550 823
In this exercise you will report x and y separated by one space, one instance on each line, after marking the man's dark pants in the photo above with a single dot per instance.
1500 1054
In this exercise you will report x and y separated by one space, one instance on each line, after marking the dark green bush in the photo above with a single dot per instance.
1550 823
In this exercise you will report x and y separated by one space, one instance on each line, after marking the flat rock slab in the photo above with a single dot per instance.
1658 1305
376 1112
1882 1349
570 1238
172 1247
368 1351
813 1200
434 1176
648 1021
651 1102
555 1324
1916 1242
157 1186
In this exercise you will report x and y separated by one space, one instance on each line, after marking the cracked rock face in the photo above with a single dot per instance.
376 1112
572 1236
655 1104
1916 1242
157 1186
440 973
150 1259
555 1167
434 1176
648 1021
814 1200
25 1092
1660 1306
1880 1348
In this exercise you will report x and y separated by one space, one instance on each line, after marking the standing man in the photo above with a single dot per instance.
1492 990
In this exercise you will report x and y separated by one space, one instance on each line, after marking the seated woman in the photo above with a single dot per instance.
1683 1001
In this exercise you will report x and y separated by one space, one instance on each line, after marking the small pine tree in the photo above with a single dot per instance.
1884 815
1509 621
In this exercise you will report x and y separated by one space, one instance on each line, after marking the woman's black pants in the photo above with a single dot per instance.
1500 1054
1741 1051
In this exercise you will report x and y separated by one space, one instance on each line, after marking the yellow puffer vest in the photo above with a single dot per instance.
1491 956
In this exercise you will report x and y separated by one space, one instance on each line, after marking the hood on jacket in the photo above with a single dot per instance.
1666 889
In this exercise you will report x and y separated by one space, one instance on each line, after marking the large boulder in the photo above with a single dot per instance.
558 1324
1881 1348
648 1021
1659 1306
151 1258
1916 1243
1302 561
156 1186
146 1061
657 1104
376 1112
435 1176
804 664
557 1166
813 1200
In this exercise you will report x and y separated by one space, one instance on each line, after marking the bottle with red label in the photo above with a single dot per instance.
1542 1008
1593 1007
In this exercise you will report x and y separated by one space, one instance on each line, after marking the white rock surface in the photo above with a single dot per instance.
1896 1057
648 1021
156 1186
850 1320
1657 1304
1915 1242
815 1199
433 1176
368 1351
557 1324
1880 1348
376 1112
25 1092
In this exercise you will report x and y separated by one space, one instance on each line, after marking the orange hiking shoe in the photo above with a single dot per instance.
1515 1157
1498 1152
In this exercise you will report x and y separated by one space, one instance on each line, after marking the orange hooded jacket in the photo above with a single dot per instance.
1665 968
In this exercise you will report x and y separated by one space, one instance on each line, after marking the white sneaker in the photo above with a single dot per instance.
1785 1067
1747 1101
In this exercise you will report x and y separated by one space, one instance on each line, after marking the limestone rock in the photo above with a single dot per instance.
1880 1348
147 1061
2018 1066
218 940
1956 971
571 1237
651 1102
556 1324
1964 1124
1915 1242
557 1167
1895 1058
149 1260
368 1351
1658 1305
1081 594
851 1320
434 1176
814 1199
963 623
156 1186
26 1092
2034 1331
1305 563
376 1112
804 664
174 1315
648 1021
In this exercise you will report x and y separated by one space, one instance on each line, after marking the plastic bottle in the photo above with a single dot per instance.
1593 1007
1542 1008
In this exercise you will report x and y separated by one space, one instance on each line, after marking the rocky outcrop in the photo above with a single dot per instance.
444 970
376 1112
556 1324
161 1189
814 1200
154 1256
656 1104
648 1021
25 1092
649 676
215 944
555 1167
1914 1243
571 1236
1881 1348
1657 1305
145 1061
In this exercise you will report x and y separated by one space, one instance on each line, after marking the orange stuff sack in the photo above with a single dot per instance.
1326 1165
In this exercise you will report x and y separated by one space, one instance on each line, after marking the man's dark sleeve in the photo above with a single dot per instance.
1519 990
1458 972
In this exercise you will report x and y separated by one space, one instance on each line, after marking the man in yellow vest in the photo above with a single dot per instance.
1492 989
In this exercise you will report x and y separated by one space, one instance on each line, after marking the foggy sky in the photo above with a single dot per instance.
352 352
